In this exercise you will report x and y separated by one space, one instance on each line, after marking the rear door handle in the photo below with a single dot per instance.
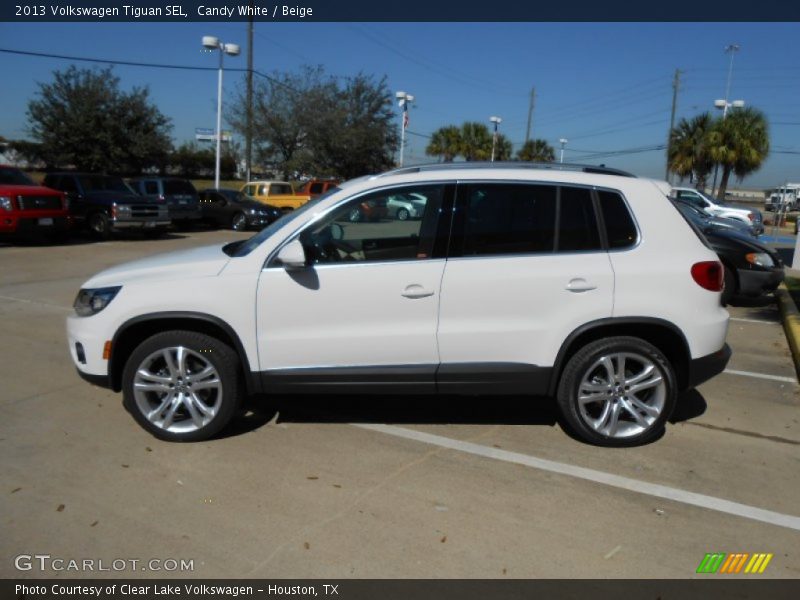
579 284
416 291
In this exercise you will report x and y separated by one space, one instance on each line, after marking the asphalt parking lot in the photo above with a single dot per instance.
381 487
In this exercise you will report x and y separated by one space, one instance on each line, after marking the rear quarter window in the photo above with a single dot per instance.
619 224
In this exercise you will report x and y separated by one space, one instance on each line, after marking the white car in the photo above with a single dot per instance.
406 206
581 283
715 208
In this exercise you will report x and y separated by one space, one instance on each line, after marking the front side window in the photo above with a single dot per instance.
363 230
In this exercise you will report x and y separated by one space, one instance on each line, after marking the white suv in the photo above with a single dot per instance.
581 283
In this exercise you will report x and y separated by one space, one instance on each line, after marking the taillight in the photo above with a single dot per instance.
708 275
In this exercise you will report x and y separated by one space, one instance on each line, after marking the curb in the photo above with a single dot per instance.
791 323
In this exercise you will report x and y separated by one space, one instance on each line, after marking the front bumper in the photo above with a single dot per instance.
754 283
40 225
140 224
704 368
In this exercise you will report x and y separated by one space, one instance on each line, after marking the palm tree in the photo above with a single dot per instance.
445 143
476 141
687 153
503 148
536 151
739 143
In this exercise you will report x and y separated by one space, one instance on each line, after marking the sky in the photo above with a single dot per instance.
605 87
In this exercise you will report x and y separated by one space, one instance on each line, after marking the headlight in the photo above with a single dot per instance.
91 302
762 259
5 203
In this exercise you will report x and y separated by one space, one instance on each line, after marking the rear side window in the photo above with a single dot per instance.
620 228
508 219
280 189
577 223
316 188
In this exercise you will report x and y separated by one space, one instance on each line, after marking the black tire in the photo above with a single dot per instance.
730 287
581 365
403 214
99 225
239 221
225 400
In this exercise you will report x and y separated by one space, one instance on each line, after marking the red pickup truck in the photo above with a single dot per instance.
28 210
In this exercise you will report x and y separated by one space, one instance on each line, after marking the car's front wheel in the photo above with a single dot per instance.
239 222
182 386
617 391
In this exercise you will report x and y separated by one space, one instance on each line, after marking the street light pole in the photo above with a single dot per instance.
403 99
726 104
563 142
496 121
211 43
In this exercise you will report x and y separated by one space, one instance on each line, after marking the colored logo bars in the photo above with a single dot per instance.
742 562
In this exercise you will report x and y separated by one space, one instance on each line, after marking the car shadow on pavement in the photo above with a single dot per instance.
397 409
690 405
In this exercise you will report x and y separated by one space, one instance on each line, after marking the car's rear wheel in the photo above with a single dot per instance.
239 222
617 391
182 386
403 214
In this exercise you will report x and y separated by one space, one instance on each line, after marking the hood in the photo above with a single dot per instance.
206 261
28 190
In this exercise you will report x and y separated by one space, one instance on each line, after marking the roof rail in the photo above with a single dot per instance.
598 169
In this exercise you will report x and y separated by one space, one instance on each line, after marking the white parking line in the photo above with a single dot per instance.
617 481
761 376
761 321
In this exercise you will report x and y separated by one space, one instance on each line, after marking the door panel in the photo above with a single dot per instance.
368 297
527 268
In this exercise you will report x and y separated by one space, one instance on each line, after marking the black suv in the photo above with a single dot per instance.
104 203
180 195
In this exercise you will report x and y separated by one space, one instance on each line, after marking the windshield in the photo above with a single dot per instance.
252 243
14 177
104 183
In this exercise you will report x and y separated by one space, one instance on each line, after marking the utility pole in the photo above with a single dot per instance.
676 84
248 151
530 114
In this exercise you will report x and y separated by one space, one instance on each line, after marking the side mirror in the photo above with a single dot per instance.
293 256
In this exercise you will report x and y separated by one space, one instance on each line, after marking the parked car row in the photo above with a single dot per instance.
104 204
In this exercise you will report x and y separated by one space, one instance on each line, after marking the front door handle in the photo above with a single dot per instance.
416 291
579 284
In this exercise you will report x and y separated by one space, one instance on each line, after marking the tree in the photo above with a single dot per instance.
688 151
537 150
309 122
445 143
83 119
350 131
503 148
476 141
739 143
